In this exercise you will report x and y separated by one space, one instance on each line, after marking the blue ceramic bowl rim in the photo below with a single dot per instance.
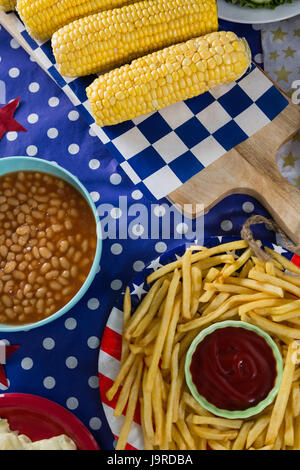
236 414
93 271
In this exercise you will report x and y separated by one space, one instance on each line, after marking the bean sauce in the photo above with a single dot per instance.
47 245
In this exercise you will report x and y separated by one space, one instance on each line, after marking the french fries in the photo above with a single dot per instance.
204 286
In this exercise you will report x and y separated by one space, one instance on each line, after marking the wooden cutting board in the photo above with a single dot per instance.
249 168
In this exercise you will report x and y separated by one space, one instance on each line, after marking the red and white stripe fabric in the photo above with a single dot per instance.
108 369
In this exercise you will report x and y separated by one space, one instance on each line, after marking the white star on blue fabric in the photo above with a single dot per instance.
155 264
139 290
279 249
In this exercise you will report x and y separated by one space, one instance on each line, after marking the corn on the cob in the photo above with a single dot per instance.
165 77
43 17
115 37
8 5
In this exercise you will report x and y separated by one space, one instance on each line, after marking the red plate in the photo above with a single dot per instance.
39 418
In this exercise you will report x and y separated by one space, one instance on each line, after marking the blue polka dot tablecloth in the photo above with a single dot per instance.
60 361
162 150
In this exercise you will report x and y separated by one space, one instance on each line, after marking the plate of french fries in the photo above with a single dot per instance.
143 389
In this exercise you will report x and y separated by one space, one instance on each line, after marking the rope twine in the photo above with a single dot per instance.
246 234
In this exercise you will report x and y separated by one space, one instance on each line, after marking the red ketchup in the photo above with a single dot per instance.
233 368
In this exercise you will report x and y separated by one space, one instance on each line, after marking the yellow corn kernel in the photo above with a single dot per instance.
43 17
188 81
163 23
8 5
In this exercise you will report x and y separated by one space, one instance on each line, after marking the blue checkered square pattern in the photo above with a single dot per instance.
160 151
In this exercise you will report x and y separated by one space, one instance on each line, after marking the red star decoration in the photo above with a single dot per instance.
7 122
8 352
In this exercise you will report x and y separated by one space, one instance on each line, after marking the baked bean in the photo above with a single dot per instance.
7 301
55 285
64 263
23 230
41 292
32 277
19 294
45 252
23 265
27 288
22 240
16 248
33 241
17 309
25 208
40 304
41 198
3 251
43 242
49 232
68 224
29 219
28 310
77 257
9 267
36 252
55 262
63 281
28 256
46 226
61 214
66 290
19 275
70 252
8 286
52 210
20 187
52 275
20 218
63 246
40 280
4 207
37 214
57 228
45 268
12 201
10 313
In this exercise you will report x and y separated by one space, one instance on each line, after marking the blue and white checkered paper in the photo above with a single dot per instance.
162 150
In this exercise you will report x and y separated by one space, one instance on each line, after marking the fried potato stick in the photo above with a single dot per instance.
236 245
172 391
281 401
132 402
126 317
161 337
186 284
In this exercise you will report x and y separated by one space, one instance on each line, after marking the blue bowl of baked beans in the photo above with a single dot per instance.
50 242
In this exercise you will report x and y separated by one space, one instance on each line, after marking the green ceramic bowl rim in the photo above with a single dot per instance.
54 168
238 413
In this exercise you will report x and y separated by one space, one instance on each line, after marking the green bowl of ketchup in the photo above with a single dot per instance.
233 369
